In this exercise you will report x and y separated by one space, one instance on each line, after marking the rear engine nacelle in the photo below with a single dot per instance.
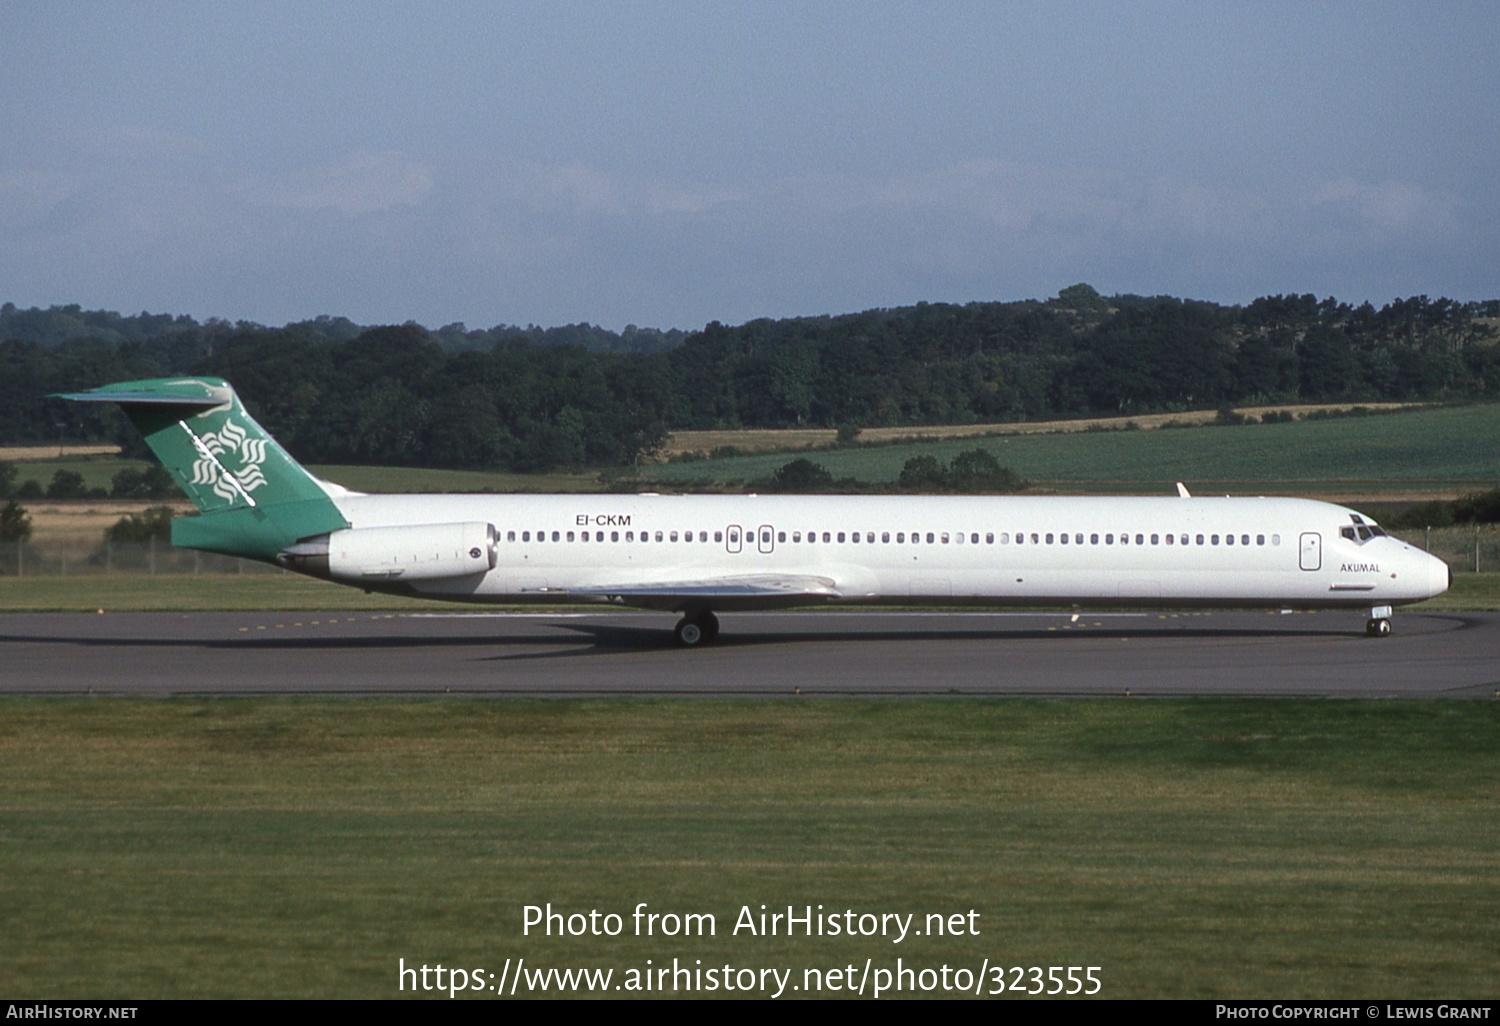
424 553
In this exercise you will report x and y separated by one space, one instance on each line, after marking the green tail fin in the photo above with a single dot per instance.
255 499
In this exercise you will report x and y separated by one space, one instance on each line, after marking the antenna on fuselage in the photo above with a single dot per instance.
1182 490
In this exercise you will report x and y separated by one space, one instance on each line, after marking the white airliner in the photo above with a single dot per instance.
697 554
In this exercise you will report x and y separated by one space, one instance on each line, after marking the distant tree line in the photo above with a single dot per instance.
1474 508
128 483
974 472
529 399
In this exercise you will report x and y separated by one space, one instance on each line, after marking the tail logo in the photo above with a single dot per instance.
250 453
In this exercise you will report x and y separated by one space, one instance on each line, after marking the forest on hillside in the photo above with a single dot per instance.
532 398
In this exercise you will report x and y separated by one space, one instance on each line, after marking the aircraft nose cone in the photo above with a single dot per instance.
1439 576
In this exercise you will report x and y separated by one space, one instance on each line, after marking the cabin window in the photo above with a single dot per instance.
1244 539
826 537
658 536
796 536
931 537
1154 540
854 537
1063 539
1109 539
1275 539
885 537
526 536
1184 539
989 538
1200 539
1171 539
1260 539
1124 539
1049 539
1004 537
781 536
1034 538
959 537
1229 539
718 536
1214 539
614 536
841 537
900 537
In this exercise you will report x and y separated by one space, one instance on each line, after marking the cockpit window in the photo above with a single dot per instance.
1361 534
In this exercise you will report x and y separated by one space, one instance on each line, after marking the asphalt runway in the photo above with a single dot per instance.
758 654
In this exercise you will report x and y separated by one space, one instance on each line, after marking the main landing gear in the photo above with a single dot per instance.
1379 623
696 628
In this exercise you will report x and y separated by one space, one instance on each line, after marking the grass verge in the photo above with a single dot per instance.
1192 848
136 592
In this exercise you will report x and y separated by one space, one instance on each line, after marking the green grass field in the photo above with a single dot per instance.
283 847
1414 450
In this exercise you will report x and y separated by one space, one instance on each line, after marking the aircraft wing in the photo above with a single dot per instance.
748 591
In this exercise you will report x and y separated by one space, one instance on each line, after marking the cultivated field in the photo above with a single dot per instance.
1426 452
797 439
23 453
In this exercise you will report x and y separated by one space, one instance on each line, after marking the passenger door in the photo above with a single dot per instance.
1311 554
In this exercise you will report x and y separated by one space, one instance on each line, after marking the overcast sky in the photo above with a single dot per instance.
667 164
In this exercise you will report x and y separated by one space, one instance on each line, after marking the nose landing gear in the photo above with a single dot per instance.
696 628
1379 623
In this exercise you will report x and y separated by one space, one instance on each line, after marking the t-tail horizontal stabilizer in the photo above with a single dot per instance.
254 499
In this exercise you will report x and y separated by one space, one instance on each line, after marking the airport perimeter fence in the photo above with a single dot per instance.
1465 549
25 559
